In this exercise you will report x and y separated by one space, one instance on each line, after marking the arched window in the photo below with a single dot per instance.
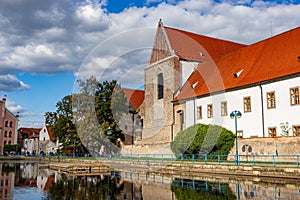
9 134
4 142
6 123
10 124
160 86
5 133
9 142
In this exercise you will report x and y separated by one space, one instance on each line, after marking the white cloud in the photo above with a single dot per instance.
53 40
11 83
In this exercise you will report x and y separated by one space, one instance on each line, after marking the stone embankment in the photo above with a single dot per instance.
88 166
196 169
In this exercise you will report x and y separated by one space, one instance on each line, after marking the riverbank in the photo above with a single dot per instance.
189 169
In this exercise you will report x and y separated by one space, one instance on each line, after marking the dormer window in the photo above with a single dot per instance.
236 75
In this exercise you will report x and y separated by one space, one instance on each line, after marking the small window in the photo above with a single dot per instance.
247 104
296 130
240 133
10 124
209 111
160 86
9 142
4 142
199 112
224 108
5 133
272 132
294 96
10 134
271 102
6 123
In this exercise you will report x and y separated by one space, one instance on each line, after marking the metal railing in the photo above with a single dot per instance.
243 159
289 160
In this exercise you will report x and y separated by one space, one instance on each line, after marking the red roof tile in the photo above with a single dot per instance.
189 46
50 133
29 131
272 58
135 97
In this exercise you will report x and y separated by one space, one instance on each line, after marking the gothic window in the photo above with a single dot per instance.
10 134
6 123
160 86
10 124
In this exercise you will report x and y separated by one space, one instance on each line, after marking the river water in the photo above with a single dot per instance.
27 181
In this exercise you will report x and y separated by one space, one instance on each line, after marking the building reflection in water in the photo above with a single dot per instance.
7 180
138 186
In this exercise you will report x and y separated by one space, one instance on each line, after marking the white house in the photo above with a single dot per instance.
261 81
192 79
47 143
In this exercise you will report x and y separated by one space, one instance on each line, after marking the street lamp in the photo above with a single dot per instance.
236 114
109 131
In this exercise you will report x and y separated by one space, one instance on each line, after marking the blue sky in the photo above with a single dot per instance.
46 45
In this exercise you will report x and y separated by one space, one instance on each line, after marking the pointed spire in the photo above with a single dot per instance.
160 23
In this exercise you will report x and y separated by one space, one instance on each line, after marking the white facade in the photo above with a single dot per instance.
46 144
257 122
31 145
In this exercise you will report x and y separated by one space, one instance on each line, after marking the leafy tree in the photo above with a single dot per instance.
203 139
85 117
110 105
63 127
51 118
12 147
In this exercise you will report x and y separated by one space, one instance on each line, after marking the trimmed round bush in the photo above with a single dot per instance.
203 139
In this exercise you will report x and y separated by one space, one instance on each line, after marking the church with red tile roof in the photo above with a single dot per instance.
192 78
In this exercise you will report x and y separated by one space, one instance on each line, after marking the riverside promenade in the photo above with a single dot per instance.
91 165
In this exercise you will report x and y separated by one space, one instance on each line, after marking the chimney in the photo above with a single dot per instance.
4 98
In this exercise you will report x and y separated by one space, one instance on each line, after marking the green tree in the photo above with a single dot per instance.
12 147
85 117
63 127
111 103
203 139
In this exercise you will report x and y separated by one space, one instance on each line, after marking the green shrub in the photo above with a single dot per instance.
203 139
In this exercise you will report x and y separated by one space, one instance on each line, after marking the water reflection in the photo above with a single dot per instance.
28 181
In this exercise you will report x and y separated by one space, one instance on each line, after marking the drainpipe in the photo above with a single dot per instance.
172 125
195 111
262 109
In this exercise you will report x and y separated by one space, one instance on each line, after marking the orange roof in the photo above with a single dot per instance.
50 133
266 60
29 131
189 46
135 97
